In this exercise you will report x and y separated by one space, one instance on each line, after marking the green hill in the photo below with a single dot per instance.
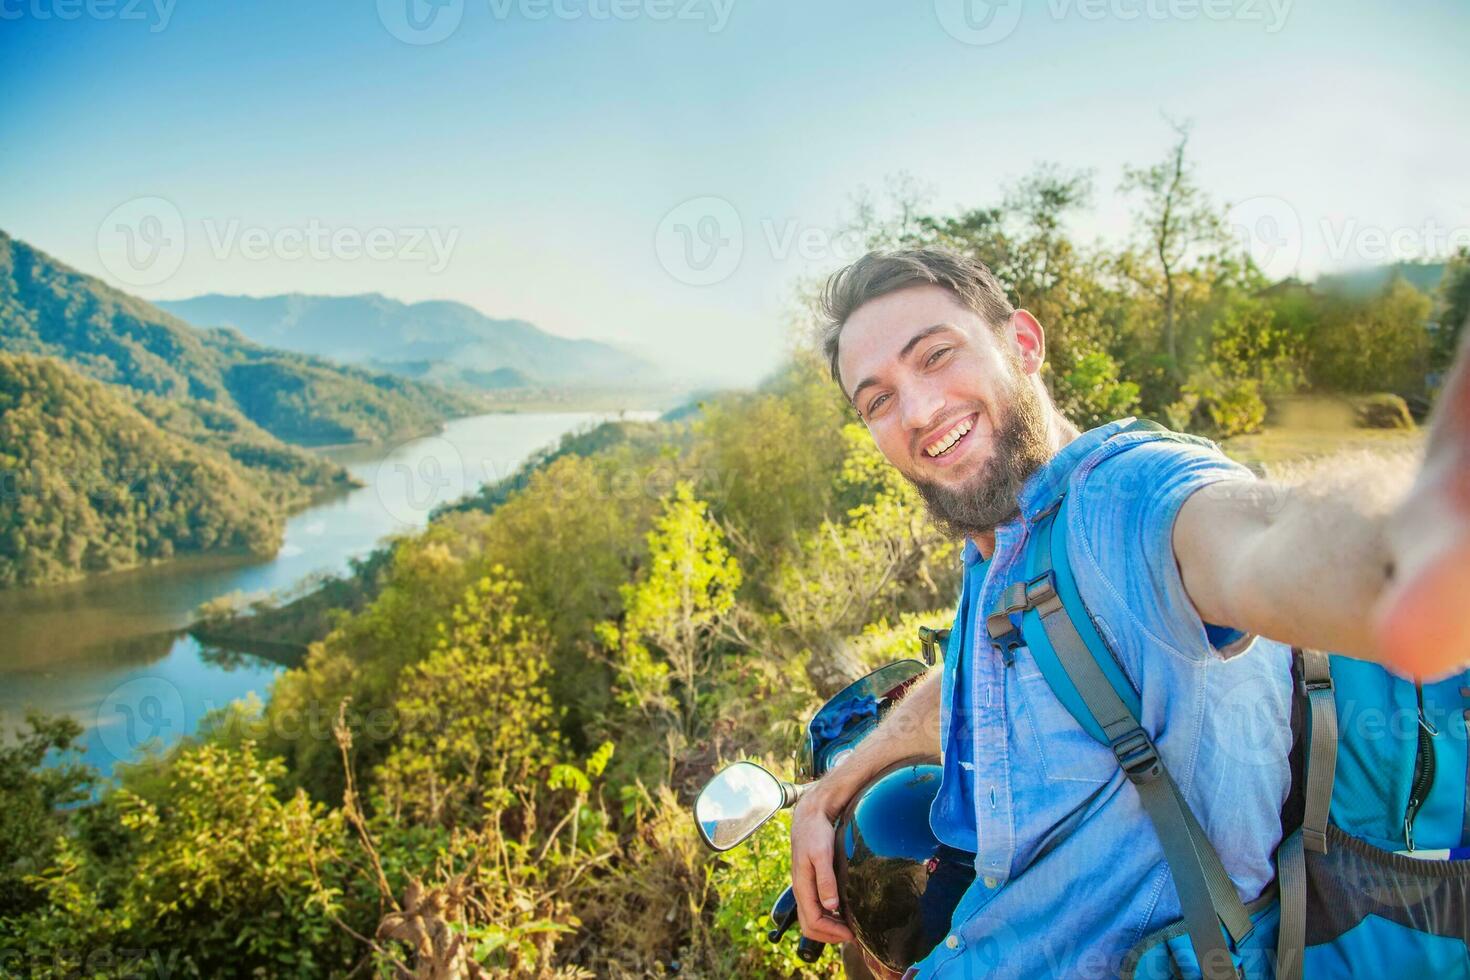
97 479
48 308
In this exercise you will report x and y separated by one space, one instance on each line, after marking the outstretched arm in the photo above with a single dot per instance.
911 729
1336 570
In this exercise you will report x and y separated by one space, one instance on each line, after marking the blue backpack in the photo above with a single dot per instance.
1379 769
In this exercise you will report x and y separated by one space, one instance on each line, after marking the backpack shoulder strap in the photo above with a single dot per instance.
1085 676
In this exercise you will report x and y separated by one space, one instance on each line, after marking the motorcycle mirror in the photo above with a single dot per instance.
736 803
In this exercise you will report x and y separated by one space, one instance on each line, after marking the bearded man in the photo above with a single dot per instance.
1200 577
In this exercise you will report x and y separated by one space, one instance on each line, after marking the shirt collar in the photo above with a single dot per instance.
1048 483
1043 487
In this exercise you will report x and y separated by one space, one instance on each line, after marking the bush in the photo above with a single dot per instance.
1383 411
1218 407
1091 392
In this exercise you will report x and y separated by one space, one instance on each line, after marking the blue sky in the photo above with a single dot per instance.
661 173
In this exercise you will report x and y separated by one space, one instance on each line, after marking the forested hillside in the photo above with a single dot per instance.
98 479
51 309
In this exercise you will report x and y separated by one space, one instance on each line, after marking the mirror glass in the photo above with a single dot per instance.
734 804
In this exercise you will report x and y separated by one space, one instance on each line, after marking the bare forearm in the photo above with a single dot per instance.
1316 577
1305 564
911 729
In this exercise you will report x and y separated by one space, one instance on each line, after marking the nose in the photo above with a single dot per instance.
921 406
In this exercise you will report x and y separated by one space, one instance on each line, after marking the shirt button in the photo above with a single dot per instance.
953 942
990 882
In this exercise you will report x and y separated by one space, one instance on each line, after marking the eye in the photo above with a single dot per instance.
875 404
938 353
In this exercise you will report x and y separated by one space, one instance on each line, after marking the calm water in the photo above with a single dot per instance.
110 651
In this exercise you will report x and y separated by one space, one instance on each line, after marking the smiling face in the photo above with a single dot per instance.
952 404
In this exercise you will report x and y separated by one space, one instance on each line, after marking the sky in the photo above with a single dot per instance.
664 174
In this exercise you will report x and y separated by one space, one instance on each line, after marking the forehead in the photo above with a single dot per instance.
878 330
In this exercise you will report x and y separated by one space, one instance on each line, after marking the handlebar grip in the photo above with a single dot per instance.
809 950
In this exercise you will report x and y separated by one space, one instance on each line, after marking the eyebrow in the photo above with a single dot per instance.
908 349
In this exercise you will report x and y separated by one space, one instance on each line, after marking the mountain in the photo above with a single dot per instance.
48 308
96 480
446 341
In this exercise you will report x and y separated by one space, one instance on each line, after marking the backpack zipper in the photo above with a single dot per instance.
1424 765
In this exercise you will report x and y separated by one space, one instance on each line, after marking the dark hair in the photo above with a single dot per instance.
879 273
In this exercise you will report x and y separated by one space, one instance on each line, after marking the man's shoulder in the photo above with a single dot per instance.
1125 498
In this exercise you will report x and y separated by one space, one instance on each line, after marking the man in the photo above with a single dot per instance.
1186 562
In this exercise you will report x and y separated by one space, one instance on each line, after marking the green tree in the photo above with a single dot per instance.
1175 220
665 644
475 721
34 793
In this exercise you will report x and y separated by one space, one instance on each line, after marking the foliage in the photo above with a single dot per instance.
94 485
1375 345
30 820
474 720
1091 393
664 645
1454 298
216 870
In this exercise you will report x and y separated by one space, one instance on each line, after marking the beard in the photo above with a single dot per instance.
992 496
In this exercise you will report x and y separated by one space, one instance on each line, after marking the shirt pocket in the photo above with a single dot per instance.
1065 751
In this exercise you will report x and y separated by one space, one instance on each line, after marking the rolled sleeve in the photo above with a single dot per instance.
1122 536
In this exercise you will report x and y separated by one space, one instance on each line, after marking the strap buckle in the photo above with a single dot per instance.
1041 589
1137 756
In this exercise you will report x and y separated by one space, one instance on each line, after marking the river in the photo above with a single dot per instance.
111 652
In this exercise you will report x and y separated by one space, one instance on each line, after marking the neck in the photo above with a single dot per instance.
1059 432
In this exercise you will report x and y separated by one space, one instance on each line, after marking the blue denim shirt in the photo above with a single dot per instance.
1069 874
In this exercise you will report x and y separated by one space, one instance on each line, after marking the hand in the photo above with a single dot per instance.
813 878
1422 622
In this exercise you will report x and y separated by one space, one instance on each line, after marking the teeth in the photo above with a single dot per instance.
950 438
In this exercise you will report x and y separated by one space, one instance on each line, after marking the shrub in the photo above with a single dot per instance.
1383 411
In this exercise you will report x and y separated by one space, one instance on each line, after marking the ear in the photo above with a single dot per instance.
1030 340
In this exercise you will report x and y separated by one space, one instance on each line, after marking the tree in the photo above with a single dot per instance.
475 721
34 794
1454 298
674 610
1174 219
